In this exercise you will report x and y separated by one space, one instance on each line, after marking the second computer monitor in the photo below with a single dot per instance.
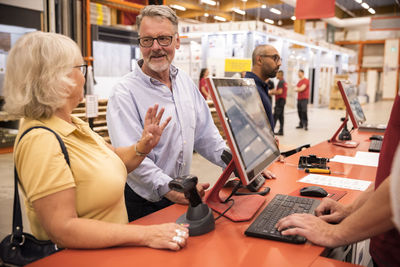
353 106
245 124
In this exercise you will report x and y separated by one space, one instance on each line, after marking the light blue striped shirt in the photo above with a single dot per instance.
191 128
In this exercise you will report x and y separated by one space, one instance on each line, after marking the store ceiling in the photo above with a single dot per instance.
260 9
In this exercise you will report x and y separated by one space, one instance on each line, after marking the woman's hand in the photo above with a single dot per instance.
152 130
166 236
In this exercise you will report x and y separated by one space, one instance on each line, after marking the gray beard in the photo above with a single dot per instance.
157 67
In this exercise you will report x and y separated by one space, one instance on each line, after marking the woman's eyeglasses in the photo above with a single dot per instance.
82 68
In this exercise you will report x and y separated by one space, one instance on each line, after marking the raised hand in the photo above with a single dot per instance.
152 129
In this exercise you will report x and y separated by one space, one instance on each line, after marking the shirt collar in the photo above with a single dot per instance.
173 72
61 126
256 79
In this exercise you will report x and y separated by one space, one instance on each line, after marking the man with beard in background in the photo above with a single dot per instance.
265 64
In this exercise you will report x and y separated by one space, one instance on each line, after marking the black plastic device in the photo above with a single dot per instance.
312 161
199 216
376 137
345 135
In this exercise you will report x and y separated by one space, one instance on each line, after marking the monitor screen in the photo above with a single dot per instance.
353 106
247 128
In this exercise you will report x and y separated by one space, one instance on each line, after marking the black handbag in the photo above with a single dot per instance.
19 248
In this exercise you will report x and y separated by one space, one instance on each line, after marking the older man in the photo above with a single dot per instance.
156 80
265 64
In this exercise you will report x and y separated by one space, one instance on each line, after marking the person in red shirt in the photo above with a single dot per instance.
303 92
203 85
280 100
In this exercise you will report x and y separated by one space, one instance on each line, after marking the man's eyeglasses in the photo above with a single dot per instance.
275 57
162 41
82 68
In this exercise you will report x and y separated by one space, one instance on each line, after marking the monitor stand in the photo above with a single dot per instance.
244 207
343 143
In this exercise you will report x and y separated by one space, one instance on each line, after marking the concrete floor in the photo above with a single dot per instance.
323 123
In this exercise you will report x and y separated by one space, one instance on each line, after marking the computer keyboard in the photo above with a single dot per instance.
375 146
280 206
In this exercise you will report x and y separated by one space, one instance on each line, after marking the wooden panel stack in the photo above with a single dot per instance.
335 99
100 122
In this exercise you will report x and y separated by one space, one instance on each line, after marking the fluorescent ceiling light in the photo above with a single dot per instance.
365 5
239 11
270 21
206 15
293 17
219 18
276 11
178 7
371 10
208 2
263 6
244 0
358 1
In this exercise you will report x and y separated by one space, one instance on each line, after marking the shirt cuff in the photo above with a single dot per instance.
162 190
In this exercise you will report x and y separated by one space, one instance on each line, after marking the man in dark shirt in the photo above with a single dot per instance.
265 64
280 100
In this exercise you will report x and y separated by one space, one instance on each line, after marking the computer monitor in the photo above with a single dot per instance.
349 94
248 133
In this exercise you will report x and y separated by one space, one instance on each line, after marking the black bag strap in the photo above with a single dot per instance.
17 215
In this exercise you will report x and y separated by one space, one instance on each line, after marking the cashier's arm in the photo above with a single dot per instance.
352 229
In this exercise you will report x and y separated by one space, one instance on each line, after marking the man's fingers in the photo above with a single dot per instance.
165 123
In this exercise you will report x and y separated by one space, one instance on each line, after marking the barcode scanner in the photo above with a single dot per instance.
199 216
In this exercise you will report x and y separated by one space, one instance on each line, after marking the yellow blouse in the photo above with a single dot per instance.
96 172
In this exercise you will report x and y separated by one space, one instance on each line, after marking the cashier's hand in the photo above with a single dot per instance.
166 236
317 231
332 211
179 198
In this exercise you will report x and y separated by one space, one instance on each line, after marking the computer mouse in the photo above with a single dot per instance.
313 191
376 137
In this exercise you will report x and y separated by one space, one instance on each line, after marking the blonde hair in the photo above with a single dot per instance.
36 81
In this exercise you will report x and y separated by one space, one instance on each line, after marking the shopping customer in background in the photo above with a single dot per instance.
265 64
156 80
81 205
203 87
280 100
303 93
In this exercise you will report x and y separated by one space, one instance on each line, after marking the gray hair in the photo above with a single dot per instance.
157 11
36 81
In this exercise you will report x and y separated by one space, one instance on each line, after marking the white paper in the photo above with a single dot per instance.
347 183
361 158
92 106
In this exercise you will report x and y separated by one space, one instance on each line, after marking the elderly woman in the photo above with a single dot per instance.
81 206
